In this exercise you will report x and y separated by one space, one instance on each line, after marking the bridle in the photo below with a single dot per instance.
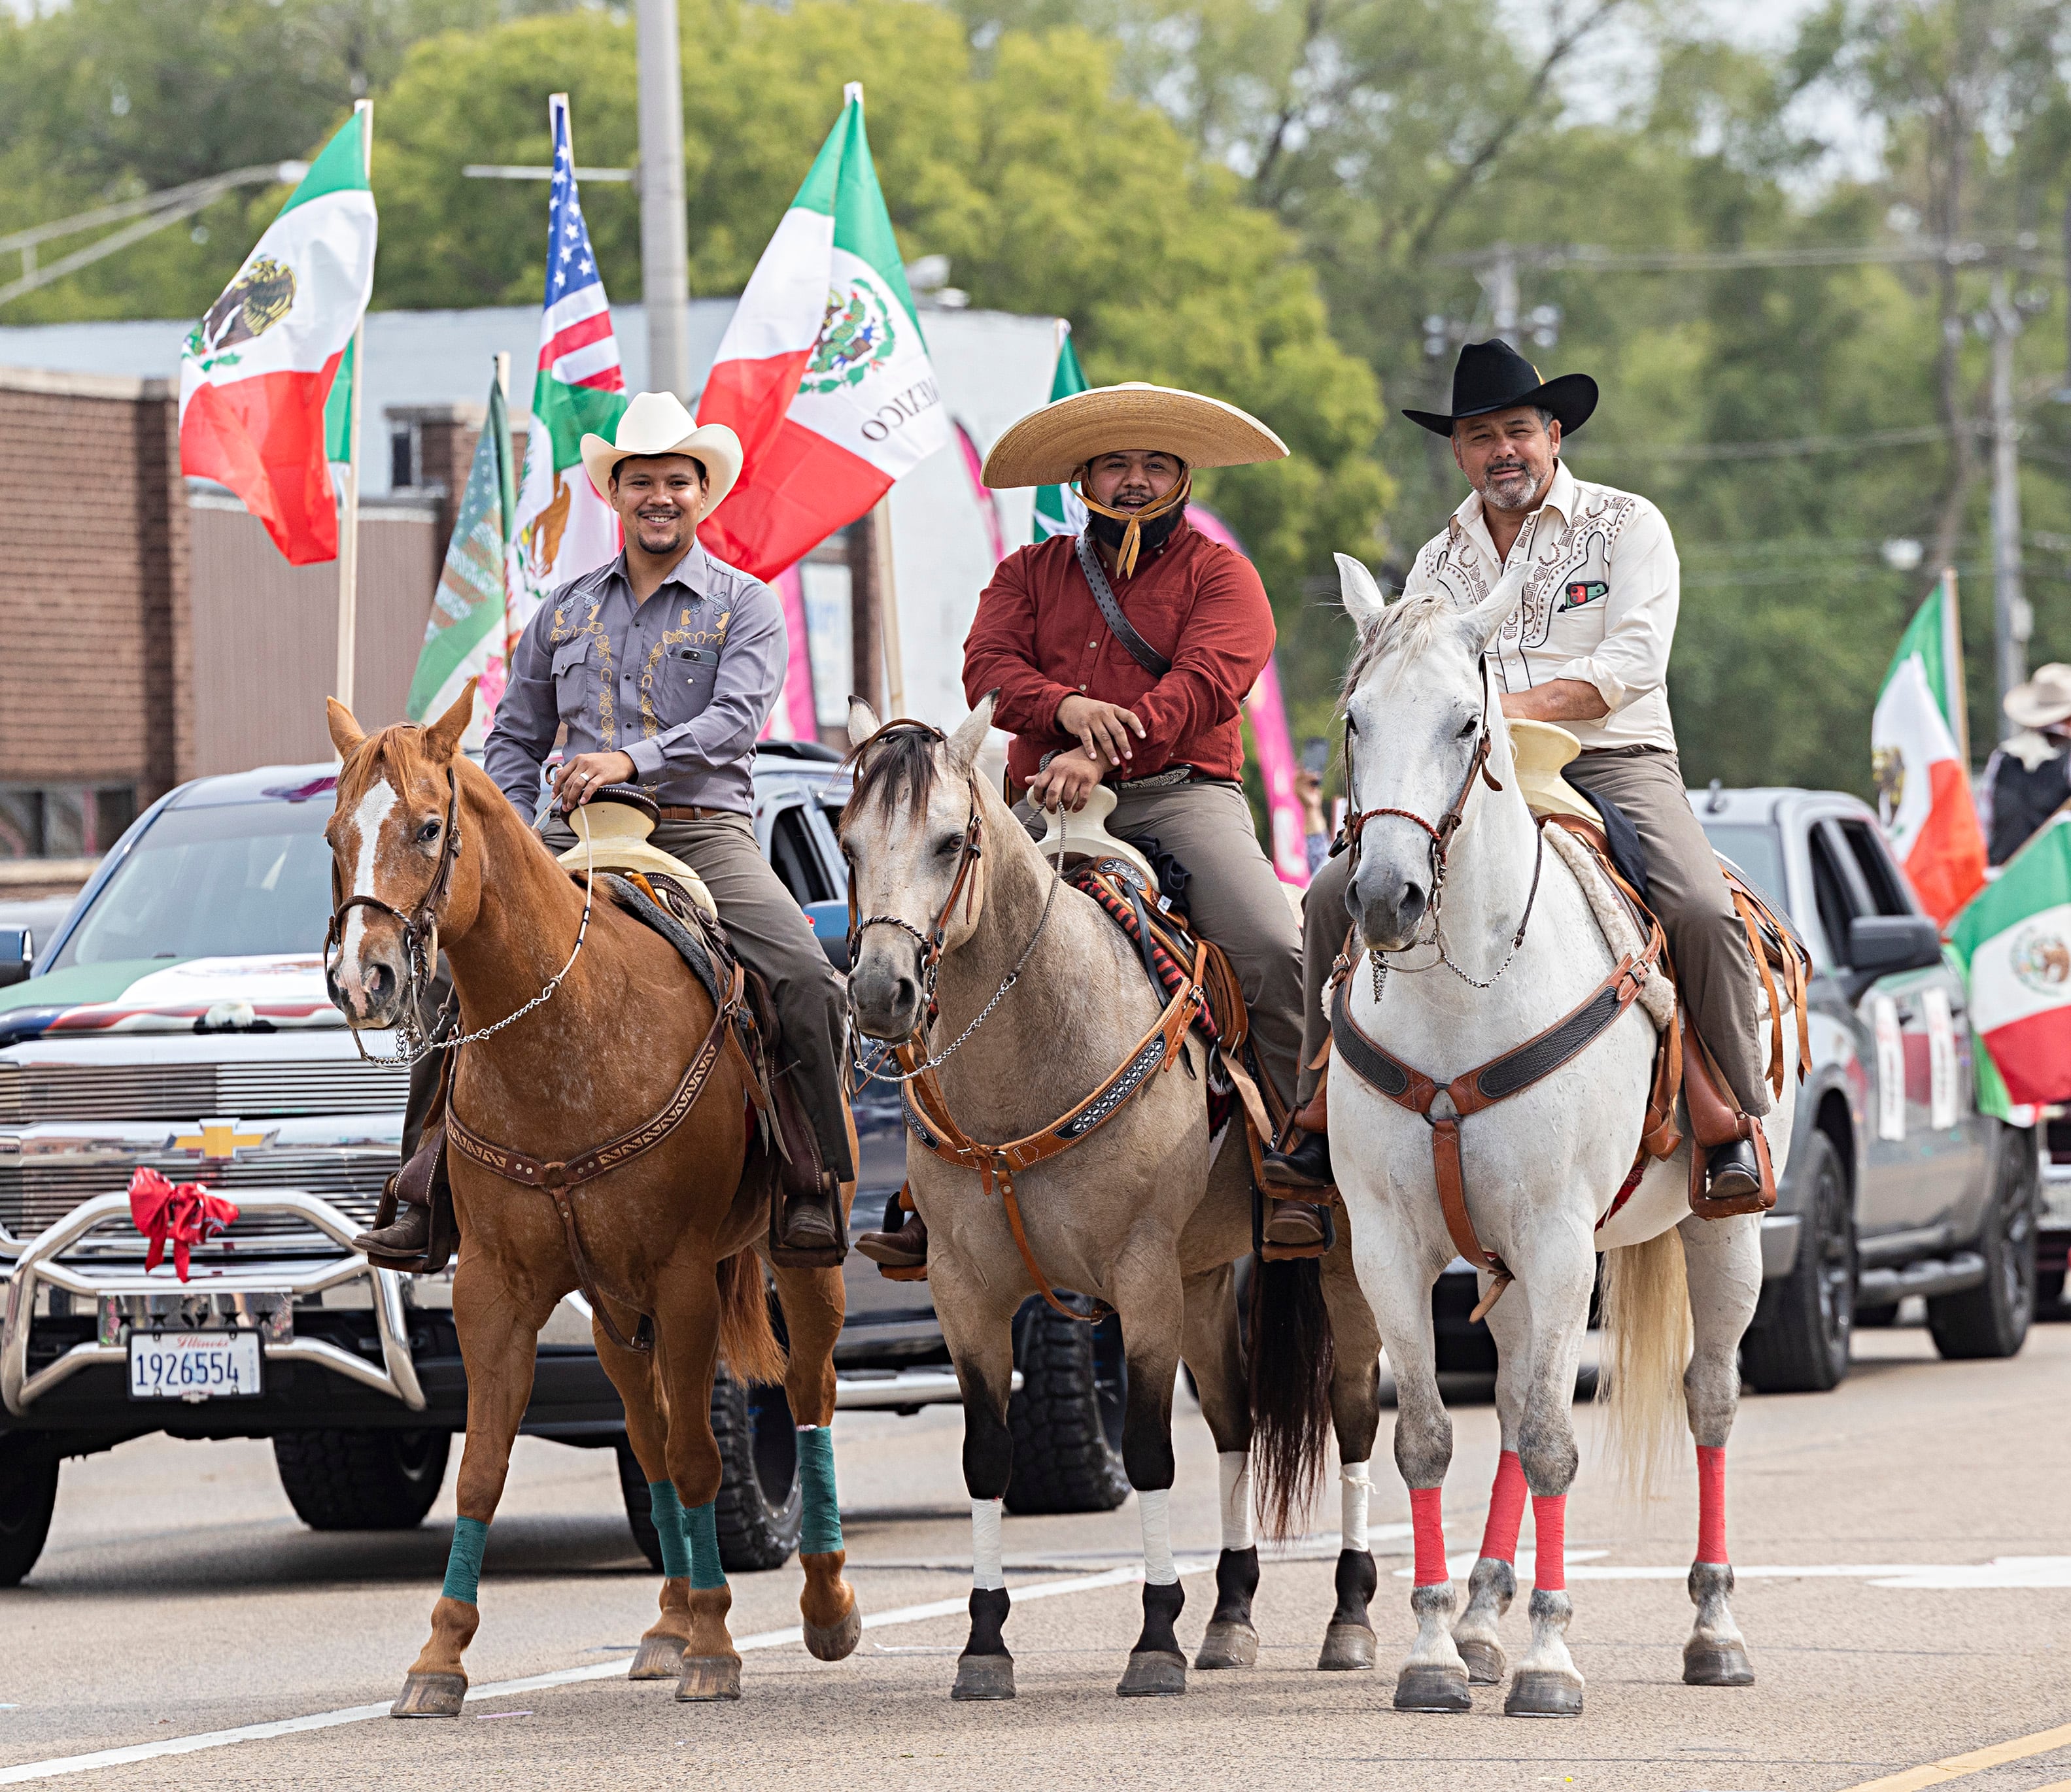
1441 833
420 949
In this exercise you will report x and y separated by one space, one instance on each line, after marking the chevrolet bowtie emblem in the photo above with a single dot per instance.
217 1139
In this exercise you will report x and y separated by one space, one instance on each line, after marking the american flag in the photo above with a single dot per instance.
577 345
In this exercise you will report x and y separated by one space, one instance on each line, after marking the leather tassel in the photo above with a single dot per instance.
1133 521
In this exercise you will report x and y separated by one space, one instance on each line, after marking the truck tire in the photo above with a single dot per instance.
1066 1419
761 1507
343 1480
28 1496
1992 1319
1800 1346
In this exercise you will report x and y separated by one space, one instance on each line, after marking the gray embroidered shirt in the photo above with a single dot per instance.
681 683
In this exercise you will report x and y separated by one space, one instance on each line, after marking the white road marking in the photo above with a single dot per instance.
2001 1572
373 810
28 1771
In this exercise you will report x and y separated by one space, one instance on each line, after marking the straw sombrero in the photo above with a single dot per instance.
1047 447
656 423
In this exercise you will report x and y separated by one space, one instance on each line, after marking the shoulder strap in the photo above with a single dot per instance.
1140 650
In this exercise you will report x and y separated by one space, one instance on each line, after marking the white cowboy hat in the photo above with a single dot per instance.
1047 447
656 423
2045 700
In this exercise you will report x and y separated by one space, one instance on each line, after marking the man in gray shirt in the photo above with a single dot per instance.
663 665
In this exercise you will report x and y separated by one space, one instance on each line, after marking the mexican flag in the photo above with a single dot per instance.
465 639
2015 941
563 529
823 373
262 409
1058 511
1923 788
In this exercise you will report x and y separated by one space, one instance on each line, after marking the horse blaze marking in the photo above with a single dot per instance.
373 810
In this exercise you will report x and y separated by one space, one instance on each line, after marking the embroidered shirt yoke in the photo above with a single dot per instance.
1599 603
681 683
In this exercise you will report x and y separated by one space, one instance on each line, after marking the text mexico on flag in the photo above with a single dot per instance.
823 373
2015 940
256 372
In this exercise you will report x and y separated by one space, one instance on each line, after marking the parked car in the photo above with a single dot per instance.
1895 1185
177 1019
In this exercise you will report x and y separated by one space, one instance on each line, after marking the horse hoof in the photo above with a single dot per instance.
1346 1647
1152 1674
430 1696
658 1659
1717 1664
1420 1686
837 1642
1228 1644
1486 1664
1539 1692
983 1677
707 1677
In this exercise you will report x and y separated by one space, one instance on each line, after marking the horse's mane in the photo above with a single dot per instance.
1409 624
902 764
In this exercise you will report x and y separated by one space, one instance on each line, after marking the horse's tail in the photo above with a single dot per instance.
746 1338
1292 1360
1646 1343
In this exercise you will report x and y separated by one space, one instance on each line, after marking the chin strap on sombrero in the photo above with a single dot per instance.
1133 521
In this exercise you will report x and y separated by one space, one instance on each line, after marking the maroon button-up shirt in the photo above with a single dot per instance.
1038 637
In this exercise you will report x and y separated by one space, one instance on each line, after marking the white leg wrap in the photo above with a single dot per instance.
1357 1484
987 1574
1156 1507
1234 1468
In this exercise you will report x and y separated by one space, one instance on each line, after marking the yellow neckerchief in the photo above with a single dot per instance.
1131 536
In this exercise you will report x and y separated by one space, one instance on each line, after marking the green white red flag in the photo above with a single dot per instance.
823 373
1923 786
2015 941
1058 509
464 637
562 528
259 370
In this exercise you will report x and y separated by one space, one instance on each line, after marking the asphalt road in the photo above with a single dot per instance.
1905 1547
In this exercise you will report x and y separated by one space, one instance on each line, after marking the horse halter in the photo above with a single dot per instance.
1448 824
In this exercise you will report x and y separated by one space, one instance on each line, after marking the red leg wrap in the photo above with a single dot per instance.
1712 1502
1549 1520
1430 1532
1506 1511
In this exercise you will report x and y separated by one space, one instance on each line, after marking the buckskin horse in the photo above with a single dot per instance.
1043 1022
599 1075
1498 1060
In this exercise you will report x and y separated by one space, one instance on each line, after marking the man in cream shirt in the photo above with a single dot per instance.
1587 647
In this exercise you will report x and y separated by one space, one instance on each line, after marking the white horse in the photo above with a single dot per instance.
1539 1170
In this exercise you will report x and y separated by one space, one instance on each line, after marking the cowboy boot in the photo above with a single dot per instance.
1306 1165
812 1217
1734 1171
897 1247
1295 1225
409 1234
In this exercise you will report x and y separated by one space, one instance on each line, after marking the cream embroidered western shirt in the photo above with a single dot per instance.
1599 603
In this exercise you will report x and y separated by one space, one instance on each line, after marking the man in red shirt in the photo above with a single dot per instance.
1122 655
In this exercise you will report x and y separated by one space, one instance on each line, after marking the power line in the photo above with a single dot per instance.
1782 449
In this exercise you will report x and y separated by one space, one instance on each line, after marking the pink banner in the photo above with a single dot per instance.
793 718
988 505
1268 732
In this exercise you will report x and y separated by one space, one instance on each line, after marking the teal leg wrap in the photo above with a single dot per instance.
470 1537
701 1523
821 1533
668 1511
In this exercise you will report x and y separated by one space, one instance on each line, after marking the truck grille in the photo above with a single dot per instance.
33 1093
34 1195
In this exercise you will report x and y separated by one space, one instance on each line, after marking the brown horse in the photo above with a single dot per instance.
667 1236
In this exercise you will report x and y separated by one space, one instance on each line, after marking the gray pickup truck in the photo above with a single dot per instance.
176 1019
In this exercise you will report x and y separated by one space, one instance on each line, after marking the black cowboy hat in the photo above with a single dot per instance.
1493 376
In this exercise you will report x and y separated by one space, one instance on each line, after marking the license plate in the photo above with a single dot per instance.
194 1365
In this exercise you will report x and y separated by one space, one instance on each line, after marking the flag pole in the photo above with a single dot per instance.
886 599
348 540
1952 656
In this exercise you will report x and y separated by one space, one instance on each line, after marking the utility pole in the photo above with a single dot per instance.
664 251
1499 281
2012 620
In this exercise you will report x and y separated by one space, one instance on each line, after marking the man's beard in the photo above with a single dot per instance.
1513 491
1152 535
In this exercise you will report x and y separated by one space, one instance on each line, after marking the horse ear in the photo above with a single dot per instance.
1482 621
970 734
1363 598
442 738
346 734
863 721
